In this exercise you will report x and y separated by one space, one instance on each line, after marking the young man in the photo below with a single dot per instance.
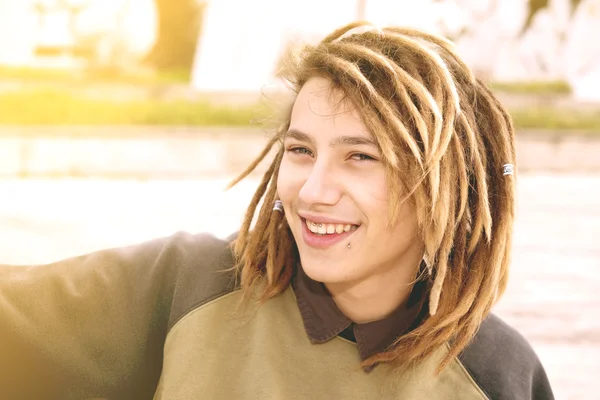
381 244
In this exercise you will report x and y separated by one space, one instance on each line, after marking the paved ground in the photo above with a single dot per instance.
553 296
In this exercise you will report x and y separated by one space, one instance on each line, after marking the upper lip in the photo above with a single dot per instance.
324 219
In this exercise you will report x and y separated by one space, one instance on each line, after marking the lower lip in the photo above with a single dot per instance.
322 241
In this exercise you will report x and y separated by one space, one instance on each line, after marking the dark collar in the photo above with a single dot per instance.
323 320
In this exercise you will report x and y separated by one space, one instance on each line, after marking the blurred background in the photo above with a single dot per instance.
123 120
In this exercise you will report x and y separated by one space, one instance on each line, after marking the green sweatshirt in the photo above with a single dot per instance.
164 320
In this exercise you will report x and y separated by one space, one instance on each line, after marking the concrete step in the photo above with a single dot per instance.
150 152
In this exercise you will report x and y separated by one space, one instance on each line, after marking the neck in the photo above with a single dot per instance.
375 298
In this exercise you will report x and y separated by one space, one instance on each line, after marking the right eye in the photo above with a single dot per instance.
299 150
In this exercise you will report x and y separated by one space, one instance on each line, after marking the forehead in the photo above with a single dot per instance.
320 109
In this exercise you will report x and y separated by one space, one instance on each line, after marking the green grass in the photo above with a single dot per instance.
116 76
97 75
61 108
34 74
557 119
532 87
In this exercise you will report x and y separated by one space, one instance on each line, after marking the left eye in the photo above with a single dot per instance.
361 157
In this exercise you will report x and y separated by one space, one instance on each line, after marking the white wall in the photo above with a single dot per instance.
243 39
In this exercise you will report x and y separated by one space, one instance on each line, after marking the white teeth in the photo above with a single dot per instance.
328 229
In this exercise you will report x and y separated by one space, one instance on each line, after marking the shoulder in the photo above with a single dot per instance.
204 270
503 363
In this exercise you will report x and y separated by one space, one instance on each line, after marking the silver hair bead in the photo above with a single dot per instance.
508 169
278 206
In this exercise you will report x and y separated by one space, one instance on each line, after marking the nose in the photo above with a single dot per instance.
320 187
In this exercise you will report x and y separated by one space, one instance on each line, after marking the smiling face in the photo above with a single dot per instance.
334 190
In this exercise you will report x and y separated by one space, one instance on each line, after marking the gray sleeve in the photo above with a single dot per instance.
94 325
504 365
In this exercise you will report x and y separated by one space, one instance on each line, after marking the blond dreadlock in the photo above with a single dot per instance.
444 137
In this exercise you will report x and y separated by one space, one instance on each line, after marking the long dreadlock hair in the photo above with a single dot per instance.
444 138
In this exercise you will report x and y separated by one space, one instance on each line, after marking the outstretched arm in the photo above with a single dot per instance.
90 326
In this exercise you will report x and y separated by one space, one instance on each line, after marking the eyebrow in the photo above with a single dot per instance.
340 140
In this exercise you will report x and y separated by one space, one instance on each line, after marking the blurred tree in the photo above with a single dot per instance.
179 23
534 6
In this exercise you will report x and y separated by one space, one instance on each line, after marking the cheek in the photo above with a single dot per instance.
371 196
282 187
406 227
287 183
374 199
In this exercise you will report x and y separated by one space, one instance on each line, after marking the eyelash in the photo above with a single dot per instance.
304 151
299 150
363 157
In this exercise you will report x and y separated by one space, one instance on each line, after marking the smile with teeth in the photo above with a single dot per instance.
328 229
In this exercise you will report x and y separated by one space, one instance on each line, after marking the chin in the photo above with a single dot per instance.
323 272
